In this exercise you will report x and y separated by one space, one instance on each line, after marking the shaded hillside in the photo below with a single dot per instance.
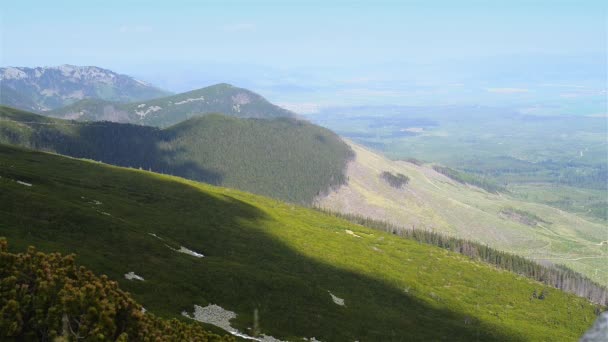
433 201
283 158
306 274
46 297
47 88
166 111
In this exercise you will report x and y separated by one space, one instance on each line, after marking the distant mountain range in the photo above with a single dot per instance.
162 112
41 89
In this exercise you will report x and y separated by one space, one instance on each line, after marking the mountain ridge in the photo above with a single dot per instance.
284 157
163 112
42 89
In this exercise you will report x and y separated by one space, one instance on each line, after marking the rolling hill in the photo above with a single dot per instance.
166 111
284 158
432 201
255 265
46 88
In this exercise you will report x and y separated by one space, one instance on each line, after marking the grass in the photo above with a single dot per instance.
433 201
261 253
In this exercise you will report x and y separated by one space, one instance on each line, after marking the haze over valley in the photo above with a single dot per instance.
227 171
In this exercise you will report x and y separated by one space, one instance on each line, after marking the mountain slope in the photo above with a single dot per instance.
283 158
166 111
46 88
433 201
307 274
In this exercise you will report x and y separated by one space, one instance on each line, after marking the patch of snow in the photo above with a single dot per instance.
143 310
141 105
337 300
104 213
141 82
220 317
96 202
152 109
12 73
350 232
202 98
24 183
185 250
156 236
241 99
131 276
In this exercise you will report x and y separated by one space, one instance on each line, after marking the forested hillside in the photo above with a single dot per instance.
283 158
166 111
268 267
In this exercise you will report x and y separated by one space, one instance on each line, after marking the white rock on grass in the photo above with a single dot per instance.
182 249
220 317
337 300
350 232
185 250
132 276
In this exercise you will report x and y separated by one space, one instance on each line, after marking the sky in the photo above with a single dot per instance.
320 52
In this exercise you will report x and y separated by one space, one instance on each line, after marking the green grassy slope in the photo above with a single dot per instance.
433 201
264 254
166 111
283 158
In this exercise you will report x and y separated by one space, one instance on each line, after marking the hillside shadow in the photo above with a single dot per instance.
126 145
244 267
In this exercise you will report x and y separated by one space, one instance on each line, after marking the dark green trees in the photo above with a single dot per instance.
47 297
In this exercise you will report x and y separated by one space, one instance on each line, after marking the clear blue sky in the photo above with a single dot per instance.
168 36
276 33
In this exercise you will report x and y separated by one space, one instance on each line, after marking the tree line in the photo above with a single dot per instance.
558 276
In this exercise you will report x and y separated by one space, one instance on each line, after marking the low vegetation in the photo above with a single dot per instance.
558 276
397 180
522 216
274 264
465 178
47 297
283 158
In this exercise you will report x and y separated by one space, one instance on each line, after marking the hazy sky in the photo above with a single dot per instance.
180 44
